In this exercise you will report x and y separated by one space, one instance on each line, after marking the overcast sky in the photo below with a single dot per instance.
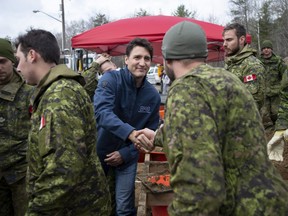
17 16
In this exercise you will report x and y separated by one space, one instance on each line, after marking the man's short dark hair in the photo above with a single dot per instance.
41 41
240 29
142 42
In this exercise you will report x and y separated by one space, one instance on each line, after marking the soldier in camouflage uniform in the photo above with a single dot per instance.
280 138
213 137
241 61
274 70
14 129
102 64
64 173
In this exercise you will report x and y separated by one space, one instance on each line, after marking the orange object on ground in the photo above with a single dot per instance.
160 180
161 111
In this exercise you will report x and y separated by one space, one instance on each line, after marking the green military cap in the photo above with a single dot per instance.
6 50
185 40
266 44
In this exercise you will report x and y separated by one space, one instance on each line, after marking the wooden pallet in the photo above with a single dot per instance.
145 198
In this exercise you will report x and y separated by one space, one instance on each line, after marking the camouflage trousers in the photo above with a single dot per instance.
269 112
13 198
111 182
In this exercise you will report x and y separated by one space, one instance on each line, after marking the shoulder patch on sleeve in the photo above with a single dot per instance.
249 78
42 122
104 84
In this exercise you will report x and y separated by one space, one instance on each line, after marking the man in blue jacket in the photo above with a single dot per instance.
124 103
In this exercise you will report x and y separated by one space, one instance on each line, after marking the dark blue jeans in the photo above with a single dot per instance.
122 188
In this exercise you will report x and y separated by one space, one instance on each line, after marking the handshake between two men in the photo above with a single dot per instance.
144 139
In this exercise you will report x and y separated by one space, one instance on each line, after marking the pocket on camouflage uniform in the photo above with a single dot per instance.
252 87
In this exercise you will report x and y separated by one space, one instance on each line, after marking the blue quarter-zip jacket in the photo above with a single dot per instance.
120 108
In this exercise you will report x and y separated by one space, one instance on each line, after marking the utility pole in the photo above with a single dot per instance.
63 45
63 26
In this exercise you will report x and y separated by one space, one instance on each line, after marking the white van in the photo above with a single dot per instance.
152 76
68 60
87 60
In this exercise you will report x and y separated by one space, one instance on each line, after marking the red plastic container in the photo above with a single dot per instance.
141 157
157 156
154 156
159 211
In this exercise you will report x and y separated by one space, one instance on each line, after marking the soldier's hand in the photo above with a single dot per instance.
101 59
275 146
145 139
107 56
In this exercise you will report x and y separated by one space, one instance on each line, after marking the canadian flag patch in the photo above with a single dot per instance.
30 109
250 78
42 122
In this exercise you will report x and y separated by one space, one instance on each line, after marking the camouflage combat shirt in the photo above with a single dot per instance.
14 128
216 148
91 78
64 173
282 118
250 71
274 70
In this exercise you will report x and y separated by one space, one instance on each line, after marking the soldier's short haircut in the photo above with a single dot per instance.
240 29
43 42
142 42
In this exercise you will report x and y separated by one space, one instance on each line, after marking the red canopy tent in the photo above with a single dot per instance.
113 37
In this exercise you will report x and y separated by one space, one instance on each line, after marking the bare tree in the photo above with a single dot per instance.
76 27
240 11
212 19
280 27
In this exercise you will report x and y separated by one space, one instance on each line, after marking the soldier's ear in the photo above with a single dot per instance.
169 63
32 55
242 40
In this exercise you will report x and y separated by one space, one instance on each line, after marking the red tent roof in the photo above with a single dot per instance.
113 37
